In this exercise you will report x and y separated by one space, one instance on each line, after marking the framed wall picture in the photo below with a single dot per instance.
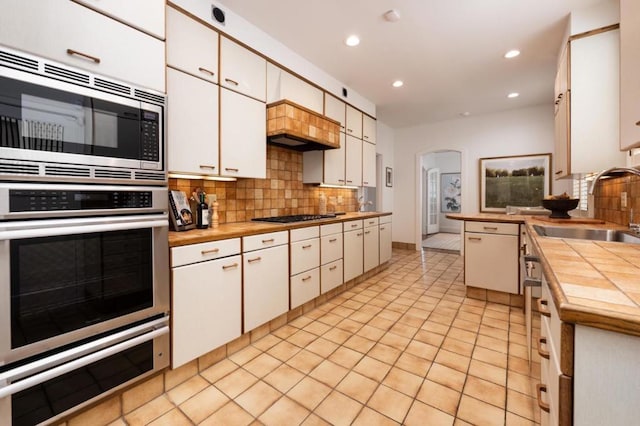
522 180
388 181
450 192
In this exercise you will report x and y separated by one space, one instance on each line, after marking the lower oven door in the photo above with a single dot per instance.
64 280
45 388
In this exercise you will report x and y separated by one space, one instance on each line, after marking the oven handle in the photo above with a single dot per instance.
56 227
80 362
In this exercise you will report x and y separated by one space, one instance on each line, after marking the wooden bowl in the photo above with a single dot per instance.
560 207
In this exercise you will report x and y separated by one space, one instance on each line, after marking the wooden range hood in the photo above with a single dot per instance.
295 127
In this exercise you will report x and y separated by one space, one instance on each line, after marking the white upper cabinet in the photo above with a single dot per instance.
192 125
354 122
81 37
242 71
368 129
145 15
284 85
334 163
336 109
243 130
191 46
353 161
629 71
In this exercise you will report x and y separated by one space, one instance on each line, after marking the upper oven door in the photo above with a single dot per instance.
43 119
63 280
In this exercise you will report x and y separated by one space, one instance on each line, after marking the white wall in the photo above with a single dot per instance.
385 142
515 132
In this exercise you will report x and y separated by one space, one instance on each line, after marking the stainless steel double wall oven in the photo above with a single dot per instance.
84 277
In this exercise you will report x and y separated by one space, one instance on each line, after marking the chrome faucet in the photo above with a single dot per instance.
362 203
607 172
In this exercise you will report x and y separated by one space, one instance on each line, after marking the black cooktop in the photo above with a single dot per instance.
293 218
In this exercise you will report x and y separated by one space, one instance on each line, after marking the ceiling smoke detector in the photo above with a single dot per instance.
391 15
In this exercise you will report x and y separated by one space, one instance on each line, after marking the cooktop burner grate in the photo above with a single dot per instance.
293 218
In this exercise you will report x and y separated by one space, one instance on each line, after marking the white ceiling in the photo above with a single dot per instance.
449 53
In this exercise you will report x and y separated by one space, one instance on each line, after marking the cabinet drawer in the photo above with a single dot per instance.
331 276
256 242
552 322
305 255
330 248
145 15
385 219
304 287
194 253
331 228
304 233
352 225
104 45
492 227
371 222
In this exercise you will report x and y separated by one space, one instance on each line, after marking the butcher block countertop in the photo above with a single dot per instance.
243 229
593 283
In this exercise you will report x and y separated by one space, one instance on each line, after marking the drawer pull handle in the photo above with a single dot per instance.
83 55
307 278
543 308
212 251
543 353
490 228
367 232
359 234
349 181
230 81
207 166
637 123
340 180
349 130
559 172
543 405
354 225
255 259
474 238
333 268
231 169
333 240
206 71
233 265
382 228
306 247
270 240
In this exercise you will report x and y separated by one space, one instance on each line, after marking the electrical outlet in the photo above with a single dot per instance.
340 200
623 200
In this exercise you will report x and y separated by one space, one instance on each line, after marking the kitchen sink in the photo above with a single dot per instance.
587 234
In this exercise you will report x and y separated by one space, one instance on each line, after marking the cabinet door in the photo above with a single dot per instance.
243 129
242 70
266 285
385 242
353 254
353 161
629 70
83 38
334 163
191 47
336 109
192 124
206 307
354 122
491 261
561 126
371 248
145 15
368 129
368 164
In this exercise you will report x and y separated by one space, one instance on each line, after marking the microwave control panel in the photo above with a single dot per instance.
53 200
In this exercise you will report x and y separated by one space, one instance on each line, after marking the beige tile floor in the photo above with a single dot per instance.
404 347
442 240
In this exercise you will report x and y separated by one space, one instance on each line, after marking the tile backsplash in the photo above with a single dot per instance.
281 193
607 199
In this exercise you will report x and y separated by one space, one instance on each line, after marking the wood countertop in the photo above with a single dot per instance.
243 229
593 283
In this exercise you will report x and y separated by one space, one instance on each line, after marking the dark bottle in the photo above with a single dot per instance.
202 217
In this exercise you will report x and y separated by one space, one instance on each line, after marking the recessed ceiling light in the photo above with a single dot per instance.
512 54
352 40
465 114
513 95
391 15
398 83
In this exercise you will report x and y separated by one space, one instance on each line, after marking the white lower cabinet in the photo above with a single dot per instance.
385 238
305 265
206 301
491 259
371 255
331 252
265 262
353 249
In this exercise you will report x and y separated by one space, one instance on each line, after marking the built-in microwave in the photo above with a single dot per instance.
59 123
